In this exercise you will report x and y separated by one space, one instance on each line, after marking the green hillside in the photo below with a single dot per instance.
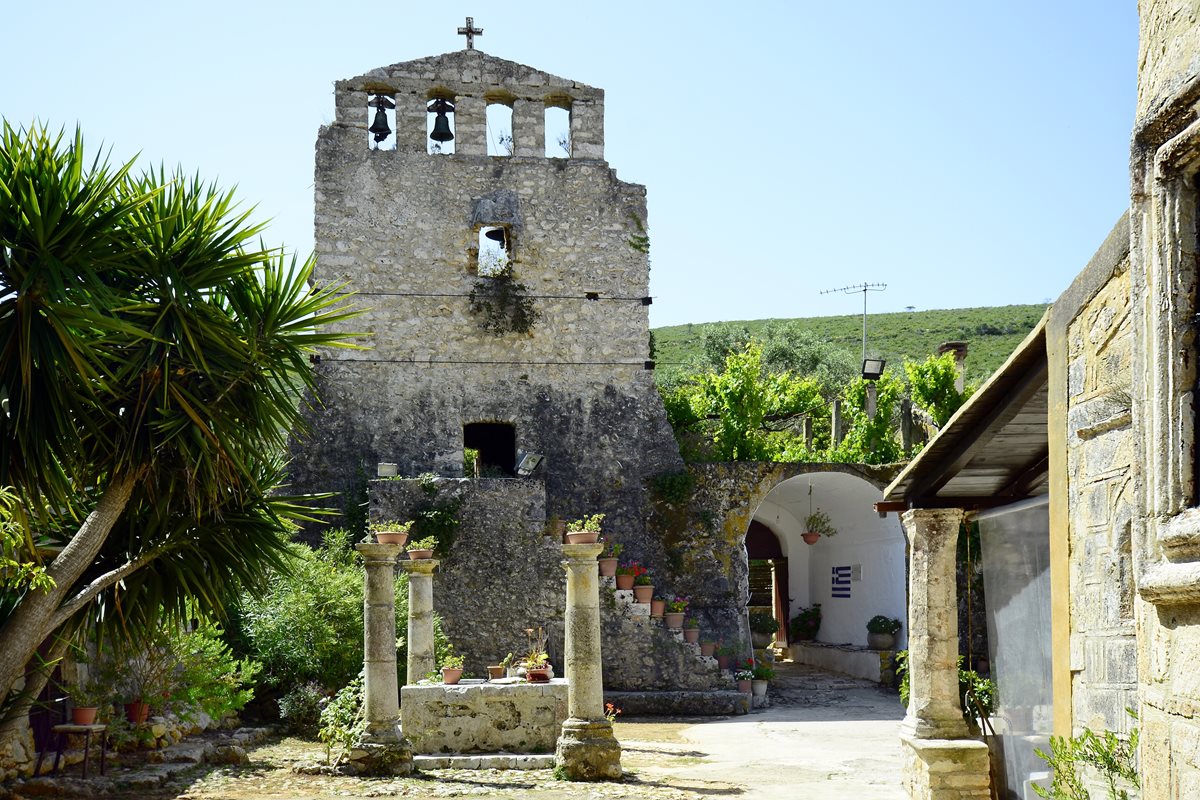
991 334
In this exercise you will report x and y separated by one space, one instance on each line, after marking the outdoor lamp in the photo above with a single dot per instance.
872 368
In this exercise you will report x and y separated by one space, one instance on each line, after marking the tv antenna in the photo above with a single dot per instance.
855 289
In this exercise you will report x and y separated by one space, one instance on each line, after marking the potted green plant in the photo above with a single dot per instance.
691 630
763 628
816 525
584 531
673 615
760 675
497 671
390 531
744 675
627 574
643 587
881 632
725 655
537 661
87 697
452 668
608 559
422 548
806 623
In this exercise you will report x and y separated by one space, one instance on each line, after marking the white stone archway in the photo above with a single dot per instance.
868 550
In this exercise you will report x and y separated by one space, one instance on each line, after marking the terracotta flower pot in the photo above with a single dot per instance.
691 635
391 537
582 537
417 555
495 672
707 648
608 567
137 712
84 715
539 675
643 594
451 675
744 686
809 537
657 607
625 581
673 619
723 662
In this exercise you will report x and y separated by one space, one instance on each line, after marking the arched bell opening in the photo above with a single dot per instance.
558 127
439 124
381 114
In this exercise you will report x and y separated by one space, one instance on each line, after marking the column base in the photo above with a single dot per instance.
946 769
383 750
951 727
588 751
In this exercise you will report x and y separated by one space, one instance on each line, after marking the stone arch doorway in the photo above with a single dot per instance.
854 575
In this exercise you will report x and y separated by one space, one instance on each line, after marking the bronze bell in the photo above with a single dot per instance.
380 126
441 125
496 235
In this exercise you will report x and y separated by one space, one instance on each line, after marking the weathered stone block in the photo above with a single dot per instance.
484 718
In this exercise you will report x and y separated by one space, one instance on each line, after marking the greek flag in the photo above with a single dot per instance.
841 581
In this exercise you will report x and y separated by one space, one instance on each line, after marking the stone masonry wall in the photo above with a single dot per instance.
1101 506
1163 238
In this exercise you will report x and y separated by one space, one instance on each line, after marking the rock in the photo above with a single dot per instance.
229 754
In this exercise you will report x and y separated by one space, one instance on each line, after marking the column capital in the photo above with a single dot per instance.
932 523
376 553
581 553
419 566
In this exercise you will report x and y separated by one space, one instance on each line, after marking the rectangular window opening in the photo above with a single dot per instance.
495 250
499 130
558 132
381 122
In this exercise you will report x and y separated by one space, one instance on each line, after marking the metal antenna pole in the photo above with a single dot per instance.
855 289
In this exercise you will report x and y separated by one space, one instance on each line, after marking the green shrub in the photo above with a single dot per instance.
309 625
343 721
300 708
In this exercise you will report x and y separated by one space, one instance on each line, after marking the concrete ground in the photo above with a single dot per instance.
824 736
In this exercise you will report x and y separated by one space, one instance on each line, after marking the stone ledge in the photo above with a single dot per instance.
679 704
490 761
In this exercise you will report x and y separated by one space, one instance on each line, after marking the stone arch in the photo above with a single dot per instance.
854 575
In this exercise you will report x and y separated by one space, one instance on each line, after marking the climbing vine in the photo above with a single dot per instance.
502 304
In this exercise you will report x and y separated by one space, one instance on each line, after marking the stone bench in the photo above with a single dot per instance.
504 716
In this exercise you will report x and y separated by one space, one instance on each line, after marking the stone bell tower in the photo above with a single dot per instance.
504 272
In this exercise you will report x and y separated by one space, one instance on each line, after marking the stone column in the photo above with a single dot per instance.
941 761
470 126
587 749
421 658
412 122
529 128
383 748
934 711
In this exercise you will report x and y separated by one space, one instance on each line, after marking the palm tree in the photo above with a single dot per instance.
152 363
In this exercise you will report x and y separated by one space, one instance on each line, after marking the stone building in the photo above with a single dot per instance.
504 275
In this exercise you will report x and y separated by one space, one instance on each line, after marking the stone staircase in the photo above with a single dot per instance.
651 669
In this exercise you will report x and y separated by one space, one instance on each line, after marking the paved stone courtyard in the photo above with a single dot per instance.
825 736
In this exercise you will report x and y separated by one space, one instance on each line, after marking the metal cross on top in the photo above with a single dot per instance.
470 31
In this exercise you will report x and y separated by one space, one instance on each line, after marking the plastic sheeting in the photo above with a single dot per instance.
1015 548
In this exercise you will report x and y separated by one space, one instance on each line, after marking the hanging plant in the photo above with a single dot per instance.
817 523
502 304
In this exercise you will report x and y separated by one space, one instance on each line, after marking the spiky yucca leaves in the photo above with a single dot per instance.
152 359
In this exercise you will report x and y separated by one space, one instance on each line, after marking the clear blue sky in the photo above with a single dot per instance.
964 153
